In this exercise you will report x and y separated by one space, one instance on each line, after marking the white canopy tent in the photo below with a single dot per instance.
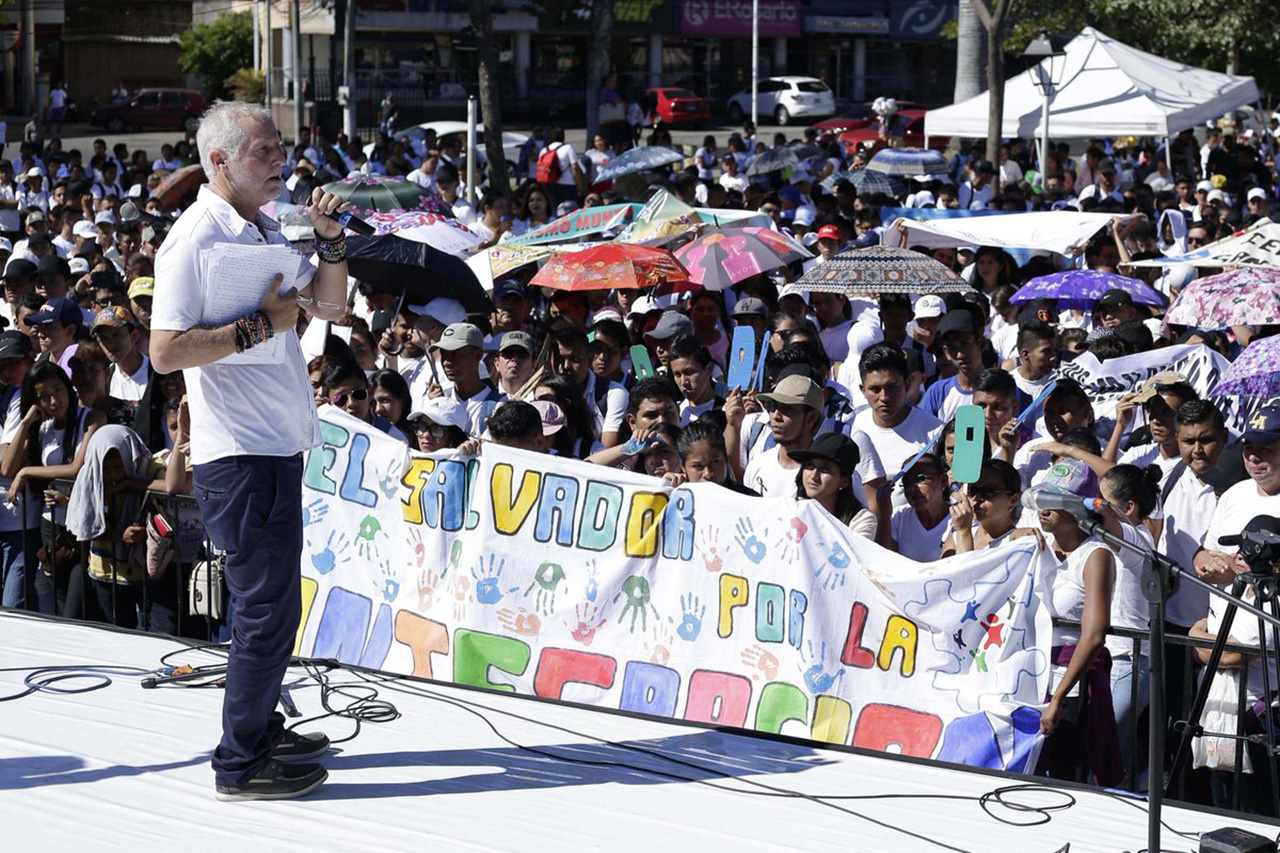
1107 89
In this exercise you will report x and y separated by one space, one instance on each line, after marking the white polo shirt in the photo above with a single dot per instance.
244 409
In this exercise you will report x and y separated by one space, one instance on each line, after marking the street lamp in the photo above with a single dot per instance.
1047 76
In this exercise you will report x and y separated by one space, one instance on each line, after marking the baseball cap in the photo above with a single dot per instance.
1204 186
750 306
61 310
1153 385
1264 426
442 310
1256 192
143 285
1115 297
14 344
459 335
789 193
805 214
642 306
524 340
19 269
507 287
608 312
836 446
445 411
6 245
36 215
671 324
1217 195
930 305
84 228
792 290
799 176
924 198
829 232
104 217
34 172
54 265
78 266
796 391
553 419
959 320
115 316
1072 477
984 167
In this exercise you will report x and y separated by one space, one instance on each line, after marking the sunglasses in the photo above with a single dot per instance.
917 479
986 493
436 431
359 395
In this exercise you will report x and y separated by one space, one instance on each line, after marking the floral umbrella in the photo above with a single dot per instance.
720 259
1247 296
370 195
447 235
610 266
1254 373
881 269
1082 288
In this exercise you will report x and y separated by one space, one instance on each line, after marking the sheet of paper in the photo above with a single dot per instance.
237 277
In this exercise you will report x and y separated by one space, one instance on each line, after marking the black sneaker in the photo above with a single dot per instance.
299 747
277 782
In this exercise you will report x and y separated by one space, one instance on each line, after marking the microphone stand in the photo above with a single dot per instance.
1158 573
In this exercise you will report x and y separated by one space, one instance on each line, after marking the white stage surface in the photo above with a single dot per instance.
123 768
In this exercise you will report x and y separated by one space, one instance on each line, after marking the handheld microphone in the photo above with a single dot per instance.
351 222
1043 497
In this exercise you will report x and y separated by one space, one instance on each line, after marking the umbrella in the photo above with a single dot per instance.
870 181
720 259
804 150
609 266
772 160
1254 373
447 235
391 264
369 194
173 189
638 160
1248 296
882 269
830 181
1082 288
908 161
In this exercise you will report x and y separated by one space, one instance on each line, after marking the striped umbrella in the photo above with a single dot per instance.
830 181
1082 288
908 161
772 160
881 269
720 259
869 181
372 194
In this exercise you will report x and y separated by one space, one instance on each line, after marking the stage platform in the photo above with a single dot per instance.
123 768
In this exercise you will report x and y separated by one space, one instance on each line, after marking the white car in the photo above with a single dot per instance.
784 98
511 142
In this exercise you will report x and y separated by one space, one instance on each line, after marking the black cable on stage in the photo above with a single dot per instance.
41 679
364 707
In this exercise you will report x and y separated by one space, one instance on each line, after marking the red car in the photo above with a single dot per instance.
869 139
680 106
859 115
159 109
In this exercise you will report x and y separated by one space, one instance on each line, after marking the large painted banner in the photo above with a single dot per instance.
522 572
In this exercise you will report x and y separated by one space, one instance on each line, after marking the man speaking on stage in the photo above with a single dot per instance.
252 417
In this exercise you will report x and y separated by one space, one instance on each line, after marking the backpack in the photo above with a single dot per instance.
549 164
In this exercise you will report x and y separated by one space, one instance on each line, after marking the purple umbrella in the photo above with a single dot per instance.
1254 373
1082 288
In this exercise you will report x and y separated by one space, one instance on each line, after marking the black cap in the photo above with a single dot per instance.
836 446
1113 297
959 320
1264 426
54 265
39 239
14 344
984 167
19 269
1041 310
1257 524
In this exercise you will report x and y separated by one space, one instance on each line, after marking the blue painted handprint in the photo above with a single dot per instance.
694 611
314 512
593 588
333 554
487 578
816 677
746 538
831 573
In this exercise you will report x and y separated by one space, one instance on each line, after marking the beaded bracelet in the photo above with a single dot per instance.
332 251
251 330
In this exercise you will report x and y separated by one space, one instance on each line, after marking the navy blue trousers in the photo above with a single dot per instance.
252 509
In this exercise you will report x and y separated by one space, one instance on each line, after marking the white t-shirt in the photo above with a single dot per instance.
10 515
1128 604
1066 600
615 404
705 160
57 98
484 232
1188 512
1005 342
422 179
896 445
766 475
129 388
835 340
479 407
10 218
1236 508
567 157
236 409
733 182
914 542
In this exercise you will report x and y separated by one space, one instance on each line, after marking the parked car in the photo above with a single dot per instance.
868 137
160 109
784 98
859 115
679 106
511 142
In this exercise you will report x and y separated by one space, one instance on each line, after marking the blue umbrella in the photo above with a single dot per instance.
829 182
638 160
908 161
870 181
1082 288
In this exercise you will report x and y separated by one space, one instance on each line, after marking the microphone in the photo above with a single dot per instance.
129 212
351 222
1044 497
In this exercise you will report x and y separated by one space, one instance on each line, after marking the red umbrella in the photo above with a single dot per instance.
610 266
179 185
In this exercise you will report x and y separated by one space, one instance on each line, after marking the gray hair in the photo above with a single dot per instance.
222 129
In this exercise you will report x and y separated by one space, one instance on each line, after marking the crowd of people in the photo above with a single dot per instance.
856 410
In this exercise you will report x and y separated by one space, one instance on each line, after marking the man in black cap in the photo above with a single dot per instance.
960 341
671 325
53 277
15 361
1116 307
510 307
19 279
977 192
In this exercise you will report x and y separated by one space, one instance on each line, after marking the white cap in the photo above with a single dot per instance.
643 305
5 245
805 214
442 310
1256 192
792 290
79 266
930 305
809 240
924 198
553 419
1174 277
445 411
800 175
34 172
84 228
608 312
1217 195
135 191
1204 186
1088 192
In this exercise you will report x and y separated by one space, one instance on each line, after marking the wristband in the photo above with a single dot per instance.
251 330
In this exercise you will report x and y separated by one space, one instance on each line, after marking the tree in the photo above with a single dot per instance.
217 50
969 50
993 19
597 61
490 104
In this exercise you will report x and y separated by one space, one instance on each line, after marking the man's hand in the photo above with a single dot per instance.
281 308
322 204
1214 566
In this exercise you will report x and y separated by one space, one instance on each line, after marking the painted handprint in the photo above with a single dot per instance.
455 554
694 611
390 587
461 586
816 677
488 578
831 573
367 536
789 544
546 580
520 621
334 553
314 512
589 620
763 660
839 557
753 547
708 548
419 550
636 589
389 484
593 588
427 583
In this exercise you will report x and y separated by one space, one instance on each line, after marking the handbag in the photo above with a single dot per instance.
204 590
161 543
1221 715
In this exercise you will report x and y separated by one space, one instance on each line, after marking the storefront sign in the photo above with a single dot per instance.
733 18
839 25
